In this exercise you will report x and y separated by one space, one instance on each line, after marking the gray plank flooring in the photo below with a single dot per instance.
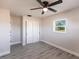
37 50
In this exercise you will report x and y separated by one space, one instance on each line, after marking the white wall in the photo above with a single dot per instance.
68 40
4 32
32 30
16 29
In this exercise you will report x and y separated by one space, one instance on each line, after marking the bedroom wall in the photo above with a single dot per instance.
16 29
68 40
4 32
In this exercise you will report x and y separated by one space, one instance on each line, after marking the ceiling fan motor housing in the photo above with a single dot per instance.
45 3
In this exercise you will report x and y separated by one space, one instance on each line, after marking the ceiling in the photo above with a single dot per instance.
22 7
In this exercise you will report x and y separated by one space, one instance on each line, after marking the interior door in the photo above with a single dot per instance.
30 30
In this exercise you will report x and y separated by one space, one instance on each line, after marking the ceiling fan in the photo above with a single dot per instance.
46 6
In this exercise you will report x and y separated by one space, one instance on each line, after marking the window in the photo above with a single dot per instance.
60 26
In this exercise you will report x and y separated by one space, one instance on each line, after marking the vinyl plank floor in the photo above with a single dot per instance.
39 50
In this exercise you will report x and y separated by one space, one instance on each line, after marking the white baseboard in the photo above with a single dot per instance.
14 43
5 53
64 49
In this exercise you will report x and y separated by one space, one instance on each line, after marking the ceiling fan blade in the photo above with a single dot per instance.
36 8
40 2
42 12
52 9
55 3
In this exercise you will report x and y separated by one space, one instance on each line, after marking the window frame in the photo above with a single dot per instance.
65 26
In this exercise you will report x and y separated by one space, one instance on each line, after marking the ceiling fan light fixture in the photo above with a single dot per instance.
45 9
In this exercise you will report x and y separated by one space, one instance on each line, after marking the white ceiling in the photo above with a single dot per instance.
22 7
